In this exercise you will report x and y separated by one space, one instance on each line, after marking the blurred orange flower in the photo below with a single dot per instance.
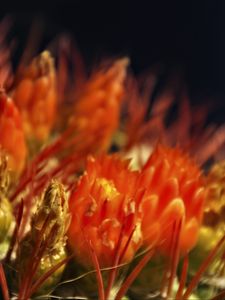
12 138
98 104
35 95
175 193
104 208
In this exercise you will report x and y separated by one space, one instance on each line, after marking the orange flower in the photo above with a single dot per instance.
175 193
104 210
12 138
97 109
35 95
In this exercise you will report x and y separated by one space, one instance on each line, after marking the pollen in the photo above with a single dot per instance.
109 189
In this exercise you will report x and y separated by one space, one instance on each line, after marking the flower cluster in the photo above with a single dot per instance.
110 200
77 217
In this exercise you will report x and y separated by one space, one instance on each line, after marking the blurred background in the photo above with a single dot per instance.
185 37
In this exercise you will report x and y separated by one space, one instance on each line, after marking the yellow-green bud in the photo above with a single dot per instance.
52 215
6 218
213 227
6 215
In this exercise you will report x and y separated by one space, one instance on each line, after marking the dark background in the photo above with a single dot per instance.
188 36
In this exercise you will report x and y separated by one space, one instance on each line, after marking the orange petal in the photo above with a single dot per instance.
174 211
189 235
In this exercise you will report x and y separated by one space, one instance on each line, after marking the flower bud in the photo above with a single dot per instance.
46 238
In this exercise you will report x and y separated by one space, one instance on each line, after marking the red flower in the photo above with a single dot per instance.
175 193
